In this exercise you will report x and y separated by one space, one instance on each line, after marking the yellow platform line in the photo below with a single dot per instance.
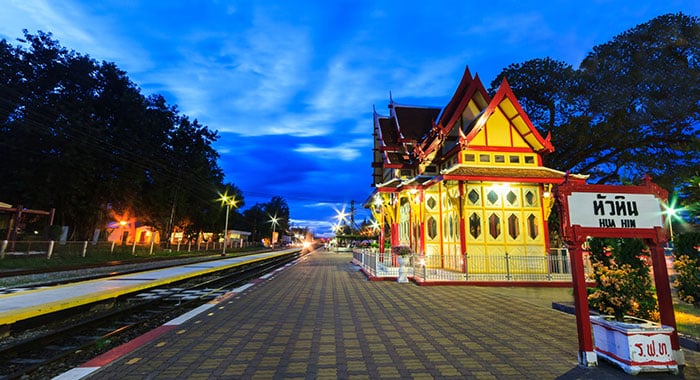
13 316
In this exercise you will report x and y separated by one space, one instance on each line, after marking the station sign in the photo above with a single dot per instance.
614 210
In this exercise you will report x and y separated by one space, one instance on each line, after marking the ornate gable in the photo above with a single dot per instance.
464 106
504 125
466 103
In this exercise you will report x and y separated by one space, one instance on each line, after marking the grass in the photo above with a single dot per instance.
687 319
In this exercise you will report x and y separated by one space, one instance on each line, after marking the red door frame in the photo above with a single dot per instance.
575 236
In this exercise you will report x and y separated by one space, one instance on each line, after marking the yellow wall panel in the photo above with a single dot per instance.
479 139
498 130
518 140
508 108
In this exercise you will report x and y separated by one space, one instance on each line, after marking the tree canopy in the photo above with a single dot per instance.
79 136
631 108
264 218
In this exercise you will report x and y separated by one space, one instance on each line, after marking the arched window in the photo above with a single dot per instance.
494 226
475 225
532 229
513 226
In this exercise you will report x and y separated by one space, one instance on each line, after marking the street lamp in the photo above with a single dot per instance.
228 201
341 215
273 220
670 213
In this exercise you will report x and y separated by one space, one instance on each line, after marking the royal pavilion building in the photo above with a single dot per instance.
464 186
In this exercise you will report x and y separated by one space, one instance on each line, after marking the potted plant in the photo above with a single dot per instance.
403 254
624 333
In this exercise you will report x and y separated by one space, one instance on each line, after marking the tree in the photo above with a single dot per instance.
278 209
544 87
258 218
255 220
690 198
80 137
630 109
49 162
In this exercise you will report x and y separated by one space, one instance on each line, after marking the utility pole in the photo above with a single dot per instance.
352 215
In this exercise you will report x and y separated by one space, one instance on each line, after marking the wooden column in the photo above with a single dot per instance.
462 227
663 293
586 356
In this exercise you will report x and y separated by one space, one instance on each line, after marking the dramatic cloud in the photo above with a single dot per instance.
290 85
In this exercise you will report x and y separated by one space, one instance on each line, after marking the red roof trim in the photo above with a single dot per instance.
555 181
464 83
474 86
485 148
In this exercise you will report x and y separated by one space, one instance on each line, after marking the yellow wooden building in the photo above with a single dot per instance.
466 179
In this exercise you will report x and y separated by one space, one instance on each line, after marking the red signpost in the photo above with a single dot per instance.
614 212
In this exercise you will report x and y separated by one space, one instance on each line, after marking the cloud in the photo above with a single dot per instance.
346 151
511 29
323 205
74 26
270 70
58 18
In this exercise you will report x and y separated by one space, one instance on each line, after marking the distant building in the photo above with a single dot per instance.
464 179
132 233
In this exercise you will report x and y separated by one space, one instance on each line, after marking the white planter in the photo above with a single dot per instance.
636 345
403 269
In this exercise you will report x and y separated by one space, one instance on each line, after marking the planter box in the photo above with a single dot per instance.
635 345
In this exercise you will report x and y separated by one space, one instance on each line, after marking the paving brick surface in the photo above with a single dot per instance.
322 319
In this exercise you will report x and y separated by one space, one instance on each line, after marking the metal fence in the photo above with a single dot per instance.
552 267
49 249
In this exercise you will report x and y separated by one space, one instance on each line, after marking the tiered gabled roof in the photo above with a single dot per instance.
468 100
414 122
469 90
423 138
396 135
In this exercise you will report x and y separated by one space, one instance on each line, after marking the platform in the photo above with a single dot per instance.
322 319
33 303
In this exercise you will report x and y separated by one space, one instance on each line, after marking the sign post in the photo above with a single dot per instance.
614 212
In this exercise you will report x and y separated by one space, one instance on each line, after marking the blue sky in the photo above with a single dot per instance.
290 84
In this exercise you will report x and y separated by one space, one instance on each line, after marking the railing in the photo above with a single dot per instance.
375 263
49 249
552 267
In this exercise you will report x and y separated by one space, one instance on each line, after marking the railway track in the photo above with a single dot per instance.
72 337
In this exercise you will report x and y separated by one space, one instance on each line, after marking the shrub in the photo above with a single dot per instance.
623 283
621 291
687 281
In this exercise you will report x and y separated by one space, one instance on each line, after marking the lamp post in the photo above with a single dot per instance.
273 220
228 201
670 213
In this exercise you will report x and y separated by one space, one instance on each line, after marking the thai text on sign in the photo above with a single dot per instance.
614 210
650 349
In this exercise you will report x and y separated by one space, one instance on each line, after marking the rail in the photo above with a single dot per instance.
554 266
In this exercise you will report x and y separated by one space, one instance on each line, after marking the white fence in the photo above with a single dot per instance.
552 267
52 248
